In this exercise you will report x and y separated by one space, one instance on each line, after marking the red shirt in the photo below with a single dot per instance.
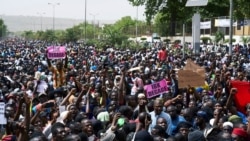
162 55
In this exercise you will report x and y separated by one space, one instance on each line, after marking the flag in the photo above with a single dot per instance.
243 95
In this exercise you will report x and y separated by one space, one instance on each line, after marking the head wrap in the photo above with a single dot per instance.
239 132
230 124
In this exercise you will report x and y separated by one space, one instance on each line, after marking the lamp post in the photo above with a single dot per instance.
94 21
41 18
136 24
53 6
85 22
231 27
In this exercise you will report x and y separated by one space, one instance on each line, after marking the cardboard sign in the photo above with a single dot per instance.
156 89
56 52
242 97
2 110
189 78
190 65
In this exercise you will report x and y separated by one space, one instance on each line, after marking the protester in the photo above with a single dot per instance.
114 94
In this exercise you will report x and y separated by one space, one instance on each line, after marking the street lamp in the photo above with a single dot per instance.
94 21
85 22
136 24
41 18
231 27
53 5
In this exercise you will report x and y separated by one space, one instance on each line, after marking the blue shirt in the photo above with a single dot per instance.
164 115
175 123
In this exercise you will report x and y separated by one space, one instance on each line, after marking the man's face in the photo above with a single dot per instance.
87 127
172 111
184 131
162 122
158 107
60 133
59 65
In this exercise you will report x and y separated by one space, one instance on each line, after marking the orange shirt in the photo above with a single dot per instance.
58 77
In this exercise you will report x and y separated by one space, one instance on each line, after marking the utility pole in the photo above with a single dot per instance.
231 27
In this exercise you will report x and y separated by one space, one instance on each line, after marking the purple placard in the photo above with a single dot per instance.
156 89
56 52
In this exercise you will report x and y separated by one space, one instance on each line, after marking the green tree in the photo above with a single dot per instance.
49 36
219 36
28 35
174 11
245 40
3 28
114 35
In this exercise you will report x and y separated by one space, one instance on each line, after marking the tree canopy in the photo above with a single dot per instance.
173 11
3 29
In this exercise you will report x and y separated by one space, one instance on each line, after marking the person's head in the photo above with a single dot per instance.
218 105
227 127
158 104
201 118
248 108
113 95
73 110
239 134
58 131
59 65
87 127
72 137
38 136
216 113
196 135
9 111
162 122
187 114
183 128
74 127
235 119
145 118
42 97
142 101
206 98
192 104
157 130
171 110
132 100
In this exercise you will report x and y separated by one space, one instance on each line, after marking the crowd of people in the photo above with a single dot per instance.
98 95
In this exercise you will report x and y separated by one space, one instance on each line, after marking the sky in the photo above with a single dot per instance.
111 10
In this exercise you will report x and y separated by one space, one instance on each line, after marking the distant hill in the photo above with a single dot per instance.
35 23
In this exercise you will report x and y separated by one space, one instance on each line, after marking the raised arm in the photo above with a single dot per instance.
121 88
233 91
65 100
48 61
66 61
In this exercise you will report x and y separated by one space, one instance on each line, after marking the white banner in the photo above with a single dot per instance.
222 22
2 111
205 25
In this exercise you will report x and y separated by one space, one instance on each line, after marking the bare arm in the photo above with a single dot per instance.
65 100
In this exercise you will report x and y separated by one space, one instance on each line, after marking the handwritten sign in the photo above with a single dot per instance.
56 52
190 65
156 89
189 78
2 111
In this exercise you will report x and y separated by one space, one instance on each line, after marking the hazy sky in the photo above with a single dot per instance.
103 9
